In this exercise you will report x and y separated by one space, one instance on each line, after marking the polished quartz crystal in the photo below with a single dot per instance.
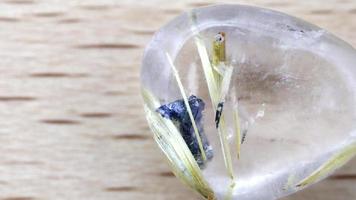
248 103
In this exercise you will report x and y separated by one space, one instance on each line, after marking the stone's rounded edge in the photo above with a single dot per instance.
171 37
165 40
164 33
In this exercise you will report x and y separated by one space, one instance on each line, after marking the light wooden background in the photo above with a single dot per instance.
71 120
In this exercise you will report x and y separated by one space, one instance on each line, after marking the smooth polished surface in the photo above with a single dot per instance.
72 121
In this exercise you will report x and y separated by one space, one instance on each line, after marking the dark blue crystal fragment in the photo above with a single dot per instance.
177 111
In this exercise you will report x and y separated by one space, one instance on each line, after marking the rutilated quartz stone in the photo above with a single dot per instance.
288 116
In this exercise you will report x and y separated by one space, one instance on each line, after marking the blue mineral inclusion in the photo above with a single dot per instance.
177 111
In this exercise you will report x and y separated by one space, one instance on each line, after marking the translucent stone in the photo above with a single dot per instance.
293 84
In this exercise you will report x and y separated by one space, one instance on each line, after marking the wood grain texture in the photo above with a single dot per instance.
72 124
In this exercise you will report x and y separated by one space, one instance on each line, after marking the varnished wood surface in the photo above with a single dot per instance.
72 124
